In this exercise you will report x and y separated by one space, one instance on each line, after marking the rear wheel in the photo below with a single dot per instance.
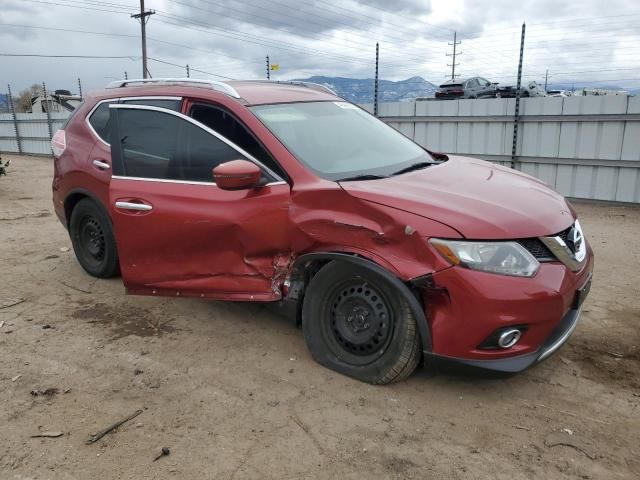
92 238
357 323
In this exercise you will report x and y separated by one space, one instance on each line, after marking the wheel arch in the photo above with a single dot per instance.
307 265
74 197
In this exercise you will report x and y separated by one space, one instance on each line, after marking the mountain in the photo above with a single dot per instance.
360 90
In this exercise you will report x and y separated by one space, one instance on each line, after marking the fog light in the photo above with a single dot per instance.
509 338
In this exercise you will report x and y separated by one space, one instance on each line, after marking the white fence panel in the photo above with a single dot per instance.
33 131
584 147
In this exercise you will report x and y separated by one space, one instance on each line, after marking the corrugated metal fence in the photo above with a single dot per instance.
585 147
33 132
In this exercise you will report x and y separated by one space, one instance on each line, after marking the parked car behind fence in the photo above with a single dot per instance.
532 89
475 87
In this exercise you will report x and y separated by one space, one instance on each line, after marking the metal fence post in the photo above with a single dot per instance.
44 93
15 119
375 82
516 116
79 87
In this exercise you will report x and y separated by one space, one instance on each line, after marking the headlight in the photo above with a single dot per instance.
505 258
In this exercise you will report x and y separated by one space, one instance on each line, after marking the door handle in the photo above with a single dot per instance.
143 207
101 165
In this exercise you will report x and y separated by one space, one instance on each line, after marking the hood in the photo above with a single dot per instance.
479 199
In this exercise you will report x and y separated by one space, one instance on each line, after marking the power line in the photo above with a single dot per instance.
233 34
65 56
192 69
351 44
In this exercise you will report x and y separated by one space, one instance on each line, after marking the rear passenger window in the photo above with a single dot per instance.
160 145
100 122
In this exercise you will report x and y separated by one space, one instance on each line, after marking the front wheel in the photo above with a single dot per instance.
357 323
92 238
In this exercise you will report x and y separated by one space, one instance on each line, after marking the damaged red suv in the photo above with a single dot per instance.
278 192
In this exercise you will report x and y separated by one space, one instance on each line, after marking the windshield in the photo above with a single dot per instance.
338 140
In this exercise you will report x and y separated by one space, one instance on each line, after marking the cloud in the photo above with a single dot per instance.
328 37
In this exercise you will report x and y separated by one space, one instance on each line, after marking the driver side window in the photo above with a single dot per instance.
224 123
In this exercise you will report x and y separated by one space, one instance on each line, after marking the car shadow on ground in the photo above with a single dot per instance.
428 367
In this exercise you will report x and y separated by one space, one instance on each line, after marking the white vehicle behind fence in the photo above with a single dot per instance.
559 93
585 92
58 102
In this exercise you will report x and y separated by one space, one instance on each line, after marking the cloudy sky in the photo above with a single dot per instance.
576 41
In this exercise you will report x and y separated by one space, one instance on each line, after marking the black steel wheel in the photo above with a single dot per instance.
92 238
361 321
355 322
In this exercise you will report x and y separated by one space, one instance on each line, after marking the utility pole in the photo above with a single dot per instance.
79 87
546 78
143 17
454 55
375 82
516 117
268 69
188 72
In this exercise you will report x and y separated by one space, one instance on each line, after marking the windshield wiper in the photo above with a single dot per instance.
415 166
361 177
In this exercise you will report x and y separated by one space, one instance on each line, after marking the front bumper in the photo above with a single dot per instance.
521 362
464 308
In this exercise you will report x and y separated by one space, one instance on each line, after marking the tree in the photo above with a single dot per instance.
22 102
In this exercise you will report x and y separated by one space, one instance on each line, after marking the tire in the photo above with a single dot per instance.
356 323
92 237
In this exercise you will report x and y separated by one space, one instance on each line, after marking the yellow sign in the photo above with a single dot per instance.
275 66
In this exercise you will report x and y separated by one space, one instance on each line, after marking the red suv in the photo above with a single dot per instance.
280 192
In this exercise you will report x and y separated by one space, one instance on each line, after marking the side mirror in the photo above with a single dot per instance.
237 175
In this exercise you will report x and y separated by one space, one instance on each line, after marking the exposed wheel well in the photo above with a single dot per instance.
70 202
308 265
76 196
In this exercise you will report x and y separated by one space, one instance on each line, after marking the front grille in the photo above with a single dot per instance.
539 250
536 248
564 234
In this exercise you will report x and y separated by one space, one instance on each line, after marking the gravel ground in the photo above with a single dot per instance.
232 392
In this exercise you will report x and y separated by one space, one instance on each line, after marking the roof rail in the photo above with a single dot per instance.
214 84
314 86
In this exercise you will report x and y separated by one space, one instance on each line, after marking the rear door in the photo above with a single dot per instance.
99 123
179 234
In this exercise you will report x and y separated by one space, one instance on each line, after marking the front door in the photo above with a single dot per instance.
177 233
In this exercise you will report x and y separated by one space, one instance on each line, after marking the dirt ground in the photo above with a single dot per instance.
233 393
